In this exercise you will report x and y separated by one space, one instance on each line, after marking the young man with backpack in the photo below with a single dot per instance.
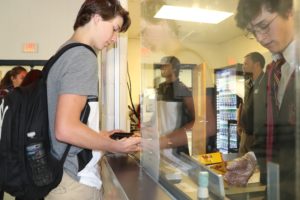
72 82
63 101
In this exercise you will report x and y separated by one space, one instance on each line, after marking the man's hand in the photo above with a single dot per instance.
129 145
124 145
240 170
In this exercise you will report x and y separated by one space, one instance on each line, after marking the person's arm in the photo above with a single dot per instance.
69 128
178 137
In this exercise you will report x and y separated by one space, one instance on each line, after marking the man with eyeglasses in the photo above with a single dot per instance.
271 22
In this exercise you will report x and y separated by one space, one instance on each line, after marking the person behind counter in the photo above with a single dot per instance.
271 22
253 66
73 82
176 111
12 79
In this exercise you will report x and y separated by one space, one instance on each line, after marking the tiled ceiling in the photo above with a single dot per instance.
191 31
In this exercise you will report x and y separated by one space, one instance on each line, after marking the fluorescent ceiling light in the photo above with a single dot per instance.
192 14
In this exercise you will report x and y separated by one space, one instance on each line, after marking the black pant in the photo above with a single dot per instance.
1 195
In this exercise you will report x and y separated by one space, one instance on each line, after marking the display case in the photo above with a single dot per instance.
125 178
229 93
233 138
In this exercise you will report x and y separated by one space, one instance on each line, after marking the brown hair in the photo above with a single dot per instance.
32 76
107 9
6 81
247 10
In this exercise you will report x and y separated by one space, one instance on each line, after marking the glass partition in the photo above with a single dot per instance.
211 89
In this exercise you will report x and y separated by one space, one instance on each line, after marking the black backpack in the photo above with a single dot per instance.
28 170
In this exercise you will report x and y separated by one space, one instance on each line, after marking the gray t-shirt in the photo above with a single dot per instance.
75 72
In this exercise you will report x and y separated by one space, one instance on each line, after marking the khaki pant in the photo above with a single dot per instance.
69 189
246 143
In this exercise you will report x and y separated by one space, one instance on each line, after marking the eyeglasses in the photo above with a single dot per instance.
261 29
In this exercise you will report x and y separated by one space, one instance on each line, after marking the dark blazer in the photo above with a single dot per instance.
259 124
284 141
247 109
283 151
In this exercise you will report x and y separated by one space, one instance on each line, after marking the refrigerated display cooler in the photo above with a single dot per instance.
229 93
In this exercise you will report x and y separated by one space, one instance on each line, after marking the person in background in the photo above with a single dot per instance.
12 79
71 84
176 112
30 77
271 22
253 66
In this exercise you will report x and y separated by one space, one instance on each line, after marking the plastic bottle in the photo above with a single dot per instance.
37 161
203 185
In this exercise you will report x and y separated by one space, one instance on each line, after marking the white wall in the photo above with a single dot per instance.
237 48
46 22
212 56
228 53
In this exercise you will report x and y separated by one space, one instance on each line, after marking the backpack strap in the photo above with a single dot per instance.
60 52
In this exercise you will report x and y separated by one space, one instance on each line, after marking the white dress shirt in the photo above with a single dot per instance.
287 68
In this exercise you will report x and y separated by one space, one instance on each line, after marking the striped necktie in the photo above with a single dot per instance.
250 83
274 72
277 77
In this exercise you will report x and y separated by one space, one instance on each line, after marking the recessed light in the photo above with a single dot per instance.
192 14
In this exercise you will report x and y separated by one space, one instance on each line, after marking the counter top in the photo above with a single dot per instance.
135 182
